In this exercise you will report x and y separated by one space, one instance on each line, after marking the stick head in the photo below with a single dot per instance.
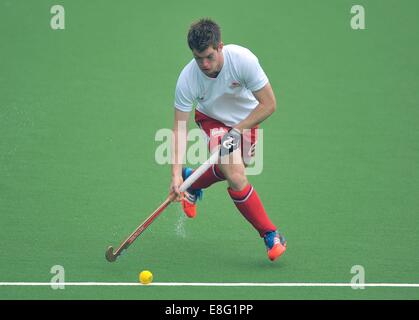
109 255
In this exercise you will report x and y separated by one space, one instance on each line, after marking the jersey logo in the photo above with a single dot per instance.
235 84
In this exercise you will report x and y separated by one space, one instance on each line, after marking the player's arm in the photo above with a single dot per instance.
179 142
266 106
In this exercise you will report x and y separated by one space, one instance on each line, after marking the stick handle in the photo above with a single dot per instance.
185 185
199 171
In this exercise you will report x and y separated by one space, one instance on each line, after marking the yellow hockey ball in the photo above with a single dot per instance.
145 277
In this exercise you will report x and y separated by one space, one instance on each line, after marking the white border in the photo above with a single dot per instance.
214 284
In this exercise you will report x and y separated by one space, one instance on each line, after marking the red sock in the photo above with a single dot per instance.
250 206
212 175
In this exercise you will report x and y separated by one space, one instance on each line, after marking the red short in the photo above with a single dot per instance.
215 130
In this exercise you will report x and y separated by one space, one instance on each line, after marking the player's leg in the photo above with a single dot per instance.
249 204
195 191
214 130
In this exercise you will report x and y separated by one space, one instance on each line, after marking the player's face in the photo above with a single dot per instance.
210 61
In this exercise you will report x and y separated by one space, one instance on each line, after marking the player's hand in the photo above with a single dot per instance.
174 187
230 142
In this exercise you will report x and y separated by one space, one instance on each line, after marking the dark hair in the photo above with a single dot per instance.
203 34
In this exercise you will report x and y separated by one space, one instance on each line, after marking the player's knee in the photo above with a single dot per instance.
237 181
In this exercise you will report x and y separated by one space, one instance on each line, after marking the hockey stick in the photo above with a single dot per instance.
111 256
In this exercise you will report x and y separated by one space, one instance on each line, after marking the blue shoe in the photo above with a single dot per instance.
275 244
190 196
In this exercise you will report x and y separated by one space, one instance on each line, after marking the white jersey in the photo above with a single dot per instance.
228 97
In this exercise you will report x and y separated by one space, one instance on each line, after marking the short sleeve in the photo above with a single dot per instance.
183 96
252 73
